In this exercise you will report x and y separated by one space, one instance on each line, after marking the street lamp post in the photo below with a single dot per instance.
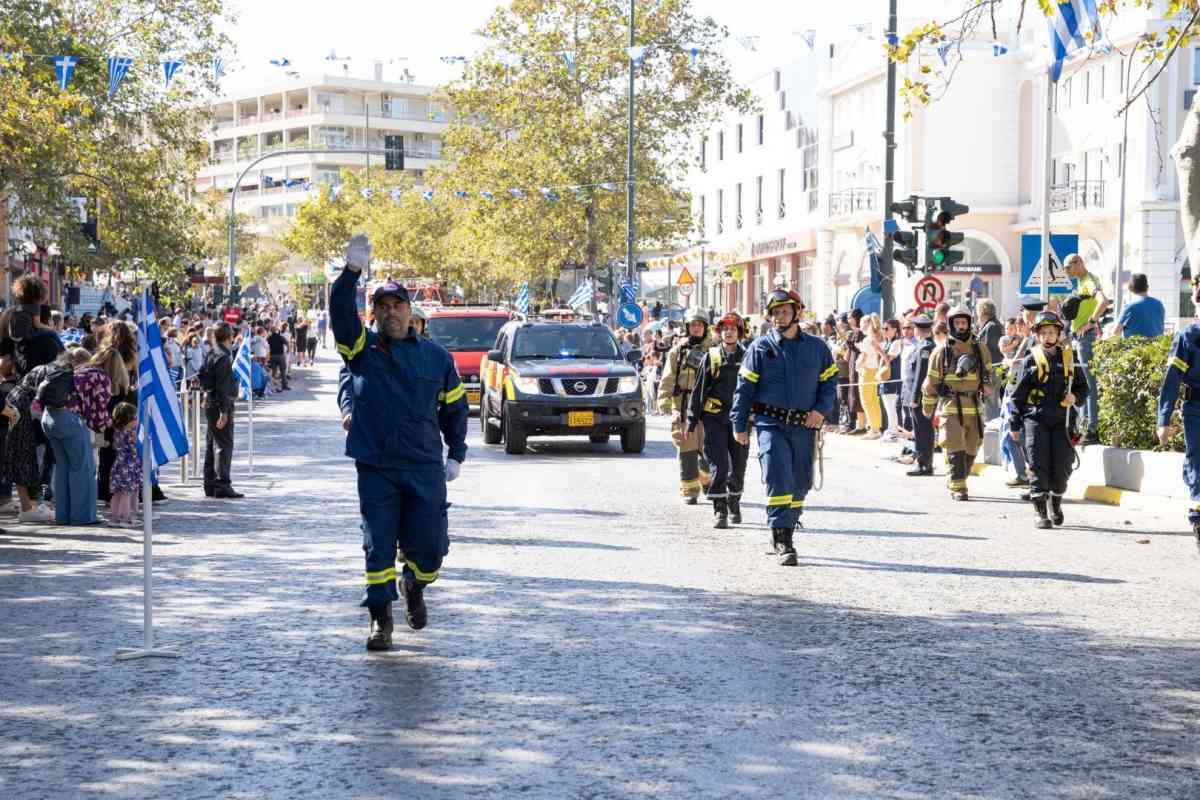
630 264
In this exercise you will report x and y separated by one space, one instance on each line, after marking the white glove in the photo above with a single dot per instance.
452 468
358 252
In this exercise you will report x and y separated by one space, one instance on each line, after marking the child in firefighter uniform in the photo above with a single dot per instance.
711 403
1182 381
1049 387
959 372
680 376
404 397
788 381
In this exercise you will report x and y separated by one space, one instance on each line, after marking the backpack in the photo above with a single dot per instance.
1070 307
56 385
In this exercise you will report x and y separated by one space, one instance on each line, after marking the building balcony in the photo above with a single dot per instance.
849 202
1077 196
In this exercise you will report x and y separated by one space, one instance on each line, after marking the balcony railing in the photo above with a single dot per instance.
853 201
1077 196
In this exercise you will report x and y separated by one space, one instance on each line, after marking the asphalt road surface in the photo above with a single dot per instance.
591 637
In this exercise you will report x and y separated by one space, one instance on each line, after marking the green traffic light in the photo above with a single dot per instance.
939 257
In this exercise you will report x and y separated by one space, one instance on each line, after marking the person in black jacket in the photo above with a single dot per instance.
711 403
910 397
220 391
1051 384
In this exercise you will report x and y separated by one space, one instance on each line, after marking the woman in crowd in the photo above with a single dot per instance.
870 358
889 390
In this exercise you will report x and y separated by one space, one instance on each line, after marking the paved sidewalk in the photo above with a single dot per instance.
593 638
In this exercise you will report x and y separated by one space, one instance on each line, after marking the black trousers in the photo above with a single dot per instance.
922 438
726 458
216 465
1051 457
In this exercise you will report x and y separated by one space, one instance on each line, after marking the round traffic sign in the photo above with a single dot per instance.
684 289
629 315
928 292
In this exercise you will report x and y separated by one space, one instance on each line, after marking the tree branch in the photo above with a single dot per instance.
1171 54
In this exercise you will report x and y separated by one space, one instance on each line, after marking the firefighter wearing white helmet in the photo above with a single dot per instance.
959 377
680 376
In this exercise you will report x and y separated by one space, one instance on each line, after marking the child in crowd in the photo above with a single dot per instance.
126 480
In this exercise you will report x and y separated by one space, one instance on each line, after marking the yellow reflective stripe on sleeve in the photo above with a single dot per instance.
829 372
1179 364
349 353
423 577
455 394
779 500
382 576
748 374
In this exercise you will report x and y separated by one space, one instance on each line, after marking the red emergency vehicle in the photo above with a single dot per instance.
468 332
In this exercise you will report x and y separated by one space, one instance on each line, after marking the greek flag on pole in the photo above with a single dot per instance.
157 403
243 368
118 67
583 295
1075 25
523 298
628 292
872 242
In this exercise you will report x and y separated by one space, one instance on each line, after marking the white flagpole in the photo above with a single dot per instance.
1049 176
147 651
251 393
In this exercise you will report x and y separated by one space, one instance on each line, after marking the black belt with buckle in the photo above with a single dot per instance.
788 416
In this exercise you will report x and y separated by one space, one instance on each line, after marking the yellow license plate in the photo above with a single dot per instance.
581 419
473 398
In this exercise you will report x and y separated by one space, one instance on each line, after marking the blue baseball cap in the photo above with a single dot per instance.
391 289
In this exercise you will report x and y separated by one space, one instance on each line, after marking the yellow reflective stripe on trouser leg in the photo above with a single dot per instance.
748 374
349 353
382 576
779 500
797 504
454 394
423 577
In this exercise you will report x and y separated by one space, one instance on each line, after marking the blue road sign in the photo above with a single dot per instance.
1062 245
629 316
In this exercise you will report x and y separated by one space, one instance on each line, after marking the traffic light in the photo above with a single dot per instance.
939 213
393 159
906 209
904 248
89 231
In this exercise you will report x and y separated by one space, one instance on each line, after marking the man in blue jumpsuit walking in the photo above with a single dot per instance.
405 397
1183 381
788 381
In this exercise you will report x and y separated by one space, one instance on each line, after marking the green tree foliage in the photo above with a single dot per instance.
324 223
132 155
212 229
1129 373
265 267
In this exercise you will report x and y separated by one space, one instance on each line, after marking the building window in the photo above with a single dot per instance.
1100 76
720 211
703 153
783 102
739 137
782 194
758 200
737 206
761 131
810 168
1196 66
1120 148
778 80
720 145
1121 75
1087 86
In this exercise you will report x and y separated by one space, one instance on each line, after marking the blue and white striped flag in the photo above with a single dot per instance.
118 67
243 366
874 246
1075 25
628 292
523 298
158 406
169 67
583 294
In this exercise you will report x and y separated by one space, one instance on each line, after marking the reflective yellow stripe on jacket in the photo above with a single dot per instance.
748 374
452 396
830 371
349 353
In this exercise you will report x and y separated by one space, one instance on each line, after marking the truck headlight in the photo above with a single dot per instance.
526 385
626 385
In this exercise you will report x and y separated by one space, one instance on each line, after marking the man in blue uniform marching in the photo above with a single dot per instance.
405 397
1183 382
788 381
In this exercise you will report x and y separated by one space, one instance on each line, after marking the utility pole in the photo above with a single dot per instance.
630 258
887 285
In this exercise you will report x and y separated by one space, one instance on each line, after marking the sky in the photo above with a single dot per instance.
305 31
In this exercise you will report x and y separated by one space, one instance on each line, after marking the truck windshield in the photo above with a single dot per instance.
465 333
565 342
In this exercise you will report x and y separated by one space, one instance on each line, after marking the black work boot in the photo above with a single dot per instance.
380 637
1056 515
691 500
735 510
782 538
1039 507
414 601
721 510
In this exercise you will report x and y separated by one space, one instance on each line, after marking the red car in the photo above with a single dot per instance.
468 333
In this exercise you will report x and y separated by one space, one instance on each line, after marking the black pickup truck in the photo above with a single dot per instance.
560 379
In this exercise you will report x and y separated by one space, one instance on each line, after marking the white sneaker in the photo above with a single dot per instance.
36 514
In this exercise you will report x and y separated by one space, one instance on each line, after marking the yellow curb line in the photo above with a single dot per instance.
1103 494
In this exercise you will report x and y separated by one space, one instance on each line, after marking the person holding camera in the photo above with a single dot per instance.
220 391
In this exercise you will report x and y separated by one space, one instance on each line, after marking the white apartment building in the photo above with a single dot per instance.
328 113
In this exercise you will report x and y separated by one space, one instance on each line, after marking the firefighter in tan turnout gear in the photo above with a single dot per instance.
958 379
684 363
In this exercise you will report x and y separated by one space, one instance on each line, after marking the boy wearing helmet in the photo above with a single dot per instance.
680 376
1050 386
959 372
789 382
711 402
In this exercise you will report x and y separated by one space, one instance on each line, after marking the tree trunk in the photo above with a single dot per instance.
1187 158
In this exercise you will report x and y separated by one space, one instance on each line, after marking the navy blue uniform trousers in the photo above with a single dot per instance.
726 458
1191 462
401 509
786 456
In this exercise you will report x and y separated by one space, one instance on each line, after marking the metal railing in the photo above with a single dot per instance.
853 201
1077 195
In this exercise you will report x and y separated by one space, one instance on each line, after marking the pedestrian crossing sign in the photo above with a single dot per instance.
1062 245
685 278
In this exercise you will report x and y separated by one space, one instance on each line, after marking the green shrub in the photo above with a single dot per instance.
1129 373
